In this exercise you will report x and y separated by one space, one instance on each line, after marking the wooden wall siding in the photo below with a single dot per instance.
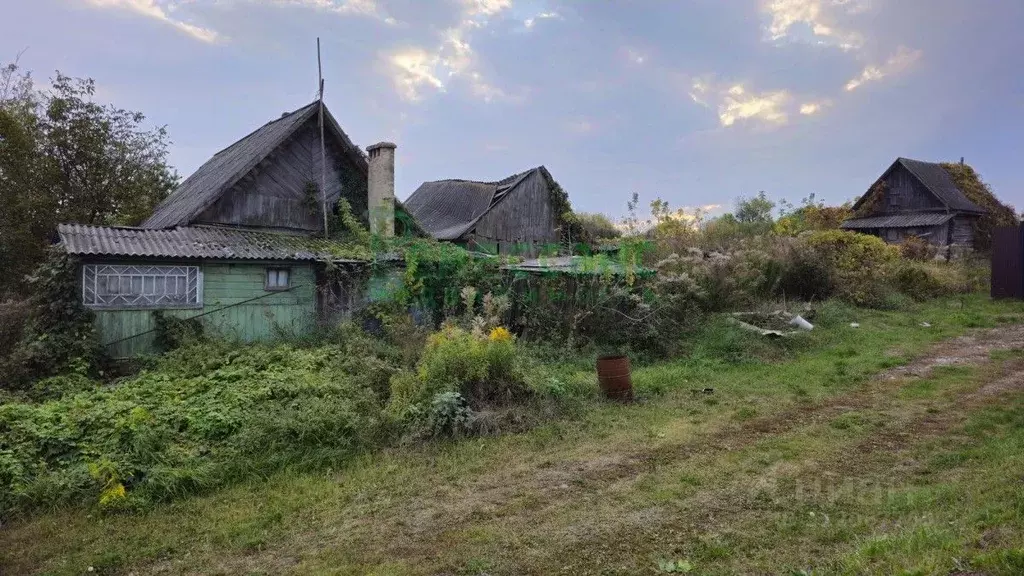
526 216
906 193
933 234
963 231
223 285
274 194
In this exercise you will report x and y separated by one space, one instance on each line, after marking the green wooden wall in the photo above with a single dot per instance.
225 287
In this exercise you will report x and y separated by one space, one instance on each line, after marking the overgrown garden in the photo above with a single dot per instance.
463 345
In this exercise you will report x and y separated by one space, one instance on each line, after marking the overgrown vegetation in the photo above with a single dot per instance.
201 416
65 158
723 482
58 335
976 190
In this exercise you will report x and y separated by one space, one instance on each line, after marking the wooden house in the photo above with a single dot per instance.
917 199
519 215
240 244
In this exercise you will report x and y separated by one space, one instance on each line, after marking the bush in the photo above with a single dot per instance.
202 417
731 279
860 264
59 335
13 317
449 415
482 369
172 333
918 249
926 280
806 276
918 282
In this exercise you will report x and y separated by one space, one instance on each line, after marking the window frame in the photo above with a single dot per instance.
191 276
266 279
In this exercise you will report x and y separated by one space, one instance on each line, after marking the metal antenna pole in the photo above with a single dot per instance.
323 147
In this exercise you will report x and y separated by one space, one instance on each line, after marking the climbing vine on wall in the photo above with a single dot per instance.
571 229
977 191
59 336
874 200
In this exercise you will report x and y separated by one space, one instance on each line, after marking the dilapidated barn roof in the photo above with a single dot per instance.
936 180
230 165
200 242
906 220
448 209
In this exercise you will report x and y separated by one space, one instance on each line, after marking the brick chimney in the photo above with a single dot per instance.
381 185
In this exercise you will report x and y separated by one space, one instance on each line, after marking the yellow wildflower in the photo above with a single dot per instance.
500 334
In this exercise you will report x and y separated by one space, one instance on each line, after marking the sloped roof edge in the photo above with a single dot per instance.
449 209
209 182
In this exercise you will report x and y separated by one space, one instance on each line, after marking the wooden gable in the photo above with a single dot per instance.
526 216
904 191
282 191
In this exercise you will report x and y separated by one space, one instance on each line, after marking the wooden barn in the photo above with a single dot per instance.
518 215
917 199
240 244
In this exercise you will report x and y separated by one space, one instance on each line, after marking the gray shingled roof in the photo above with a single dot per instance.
448 209
935 178
906 220
228 166
203 242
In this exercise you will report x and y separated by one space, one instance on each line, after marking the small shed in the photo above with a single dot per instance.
915 199
519 215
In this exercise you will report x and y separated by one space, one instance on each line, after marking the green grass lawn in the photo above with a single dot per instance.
802 463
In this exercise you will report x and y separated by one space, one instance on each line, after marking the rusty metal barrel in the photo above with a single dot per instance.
614 376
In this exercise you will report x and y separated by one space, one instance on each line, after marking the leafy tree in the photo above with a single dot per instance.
65 158
812 214
756 210
598 225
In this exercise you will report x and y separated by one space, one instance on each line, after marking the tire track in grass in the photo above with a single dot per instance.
427 534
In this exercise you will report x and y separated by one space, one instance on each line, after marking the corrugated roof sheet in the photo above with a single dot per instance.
448 209
206 242
905 220
228 166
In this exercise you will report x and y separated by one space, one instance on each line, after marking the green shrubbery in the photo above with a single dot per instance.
201 417
860 265
58 336
472 370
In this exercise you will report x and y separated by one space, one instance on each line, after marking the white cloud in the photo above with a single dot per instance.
814 107
735 102
739 104
368 8
822 19
903 58
416 70
484 8
160 11
530 22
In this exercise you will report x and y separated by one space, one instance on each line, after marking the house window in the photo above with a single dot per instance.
128 286
277 278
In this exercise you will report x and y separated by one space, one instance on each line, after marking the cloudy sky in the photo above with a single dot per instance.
695 101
